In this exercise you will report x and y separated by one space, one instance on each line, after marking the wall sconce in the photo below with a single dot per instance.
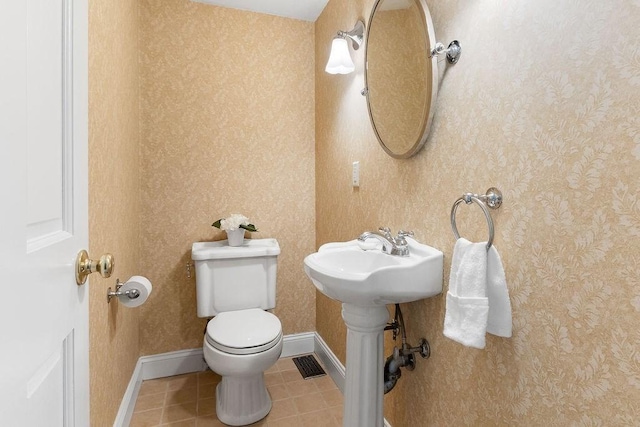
340 59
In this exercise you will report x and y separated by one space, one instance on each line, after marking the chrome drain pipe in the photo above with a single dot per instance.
403 357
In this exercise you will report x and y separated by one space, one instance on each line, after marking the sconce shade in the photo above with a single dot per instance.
340 59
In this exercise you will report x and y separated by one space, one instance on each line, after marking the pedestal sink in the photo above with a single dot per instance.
365 281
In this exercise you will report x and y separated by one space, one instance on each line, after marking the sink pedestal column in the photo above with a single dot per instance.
365 365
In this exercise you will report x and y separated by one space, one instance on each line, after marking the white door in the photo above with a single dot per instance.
44 372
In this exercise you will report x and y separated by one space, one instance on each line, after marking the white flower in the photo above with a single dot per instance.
233 222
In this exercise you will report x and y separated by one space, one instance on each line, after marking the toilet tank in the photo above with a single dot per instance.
235 277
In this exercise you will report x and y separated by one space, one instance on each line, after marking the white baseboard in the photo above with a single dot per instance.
334 367
125 412
297 344
188 361
173 363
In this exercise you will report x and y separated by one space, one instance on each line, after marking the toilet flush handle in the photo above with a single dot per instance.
85 266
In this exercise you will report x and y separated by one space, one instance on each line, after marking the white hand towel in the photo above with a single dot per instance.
478 297
467 309
499 322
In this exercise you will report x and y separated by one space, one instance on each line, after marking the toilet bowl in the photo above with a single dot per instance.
239 346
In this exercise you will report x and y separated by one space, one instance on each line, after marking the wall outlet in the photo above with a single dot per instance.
355 174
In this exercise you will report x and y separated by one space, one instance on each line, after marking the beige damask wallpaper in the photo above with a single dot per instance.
544 105
114 205
227 126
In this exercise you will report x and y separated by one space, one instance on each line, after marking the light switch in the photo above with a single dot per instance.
355 174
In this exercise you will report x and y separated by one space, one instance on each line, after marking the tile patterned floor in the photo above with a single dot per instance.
189 400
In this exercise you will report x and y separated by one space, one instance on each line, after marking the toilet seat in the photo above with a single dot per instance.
244 331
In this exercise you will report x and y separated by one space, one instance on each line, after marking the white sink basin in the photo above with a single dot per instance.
345 272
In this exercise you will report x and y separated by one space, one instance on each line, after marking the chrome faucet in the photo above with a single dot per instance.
390 245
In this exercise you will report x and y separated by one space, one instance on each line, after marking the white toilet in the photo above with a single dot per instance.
236 285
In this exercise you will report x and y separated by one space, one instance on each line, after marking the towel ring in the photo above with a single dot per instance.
493 199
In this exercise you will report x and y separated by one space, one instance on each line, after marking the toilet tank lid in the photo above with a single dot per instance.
201 251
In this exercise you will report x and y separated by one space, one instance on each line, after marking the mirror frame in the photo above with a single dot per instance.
430 103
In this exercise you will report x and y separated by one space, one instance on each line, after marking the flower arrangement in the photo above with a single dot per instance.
234 222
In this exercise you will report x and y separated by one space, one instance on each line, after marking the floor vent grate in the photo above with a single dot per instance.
308 366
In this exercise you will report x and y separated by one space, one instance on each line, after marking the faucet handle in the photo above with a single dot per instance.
402 233
386 231
400 239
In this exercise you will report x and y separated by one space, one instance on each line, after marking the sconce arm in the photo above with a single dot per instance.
356 35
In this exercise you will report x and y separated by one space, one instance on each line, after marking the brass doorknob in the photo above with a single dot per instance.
85 266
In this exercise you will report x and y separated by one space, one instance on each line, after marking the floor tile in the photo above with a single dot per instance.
186 423
153 386
325 383
286 364
207 390
309 403
146 418
299 388
209 421
322 418
272 369
337 412
182 381
181 395
183 411
293 421
332 397
149 401
206 407
290 376
282 409
273 378
208 377
278 391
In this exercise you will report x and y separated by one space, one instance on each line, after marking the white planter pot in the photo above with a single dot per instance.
235 237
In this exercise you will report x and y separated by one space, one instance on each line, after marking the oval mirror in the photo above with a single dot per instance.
401 79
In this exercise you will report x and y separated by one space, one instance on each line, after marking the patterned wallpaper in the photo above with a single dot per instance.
114 205
227 126
544 105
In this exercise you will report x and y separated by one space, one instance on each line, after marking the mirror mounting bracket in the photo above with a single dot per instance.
452 52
